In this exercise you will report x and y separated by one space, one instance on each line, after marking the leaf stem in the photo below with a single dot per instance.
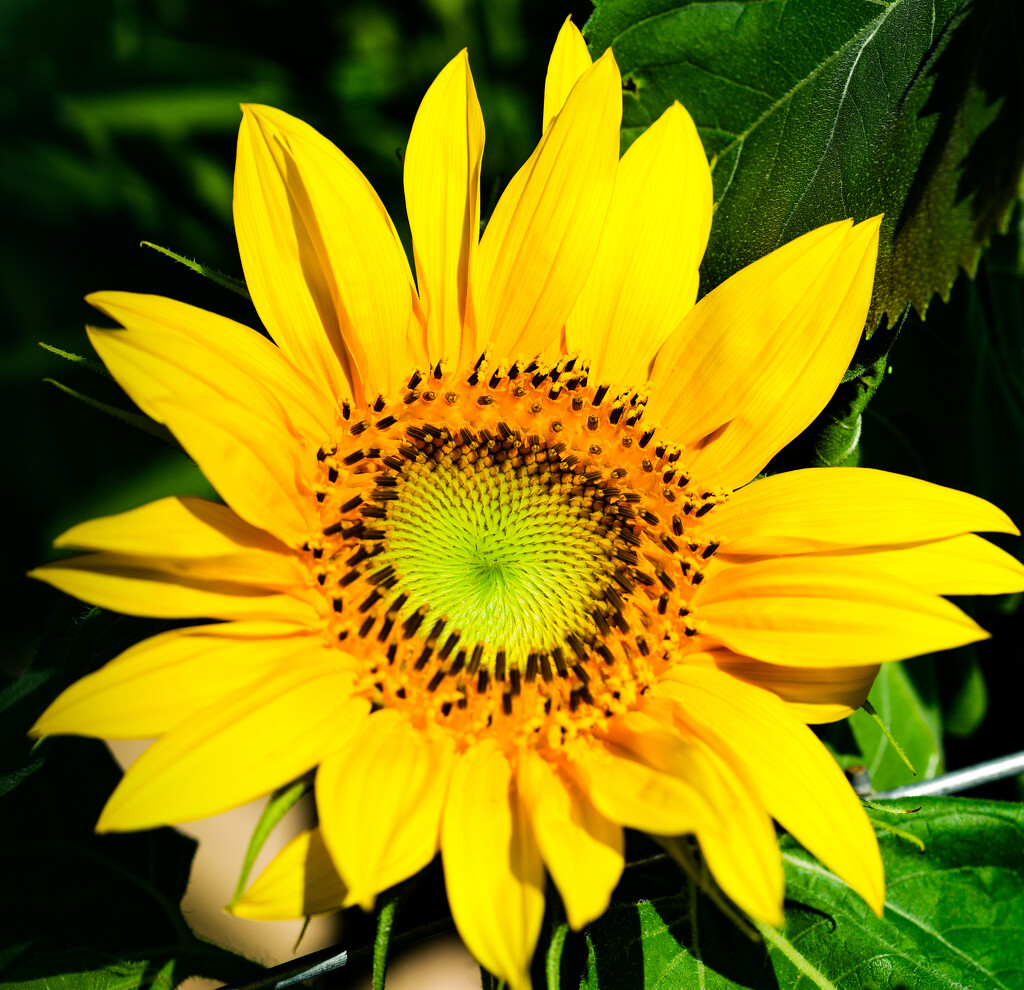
553 956
382 941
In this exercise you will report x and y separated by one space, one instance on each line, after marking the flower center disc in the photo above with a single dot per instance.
512 554
503 541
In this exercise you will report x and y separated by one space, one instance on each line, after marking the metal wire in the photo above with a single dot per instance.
961 780
296 971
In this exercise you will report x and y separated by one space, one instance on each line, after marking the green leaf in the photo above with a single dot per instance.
11 780
94 366
137 420
954 918
86 970
905 699
887 732
813 111
278 805
25 686
966 692
225 281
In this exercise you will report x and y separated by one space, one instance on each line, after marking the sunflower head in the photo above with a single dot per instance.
493 555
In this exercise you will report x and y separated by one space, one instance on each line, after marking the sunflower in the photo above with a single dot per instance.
494 557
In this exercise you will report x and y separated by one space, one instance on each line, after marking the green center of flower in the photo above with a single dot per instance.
502 540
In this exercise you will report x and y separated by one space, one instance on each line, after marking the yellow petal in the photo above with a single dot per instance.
759 356
442 195
195 539
160 682
299 882
632 781
750 865
240 358
380 800
125 584
322 260
538 246
242 413
814 694
236 751
644 278
818 611
743 854
581 848
492 867
824 508
961 565
739 843
569 60
800 784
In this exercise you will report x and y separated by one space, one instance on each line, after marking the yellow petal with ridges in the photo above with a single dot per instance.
282 259
644 278
742 852
538 247
322 259
816 695
716 793
195 539
158 683
632 782
380 800
569 60
581 848
255 448
738 842
299 882
124 584
817 611
961 565
442 196
800 784
492 867
238 750
241 362
759 356
174 527
565 59
824 508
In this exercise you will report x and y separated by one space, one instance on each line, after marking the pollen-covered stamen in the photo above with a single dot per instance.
518 546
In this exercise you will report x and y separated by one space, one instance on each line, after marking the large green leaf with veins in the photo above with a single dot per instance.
954 918
813 111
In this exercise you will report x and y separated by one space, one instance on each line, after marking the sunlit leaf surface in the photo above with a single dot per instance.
814 111
954 918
